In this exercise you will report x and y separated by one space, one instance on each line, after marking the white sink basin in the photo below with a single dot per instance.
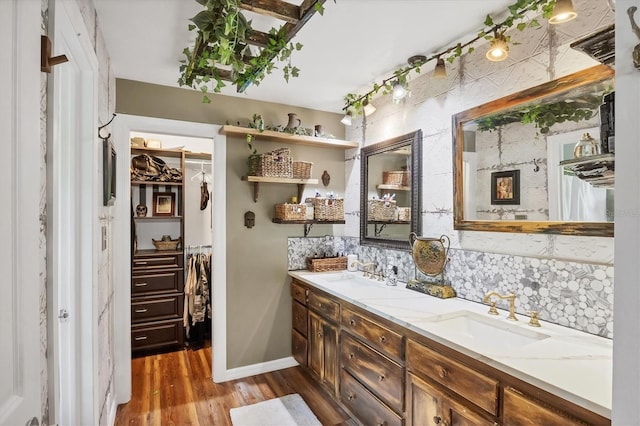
484 331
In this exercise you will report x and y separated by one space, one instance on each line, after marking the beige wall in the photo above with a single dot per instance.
258 301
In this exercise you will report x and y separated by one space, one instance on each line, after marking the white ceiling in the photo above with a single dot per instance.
355 43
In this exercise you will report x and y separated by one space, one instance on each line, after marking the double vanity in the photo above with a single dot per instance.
394 356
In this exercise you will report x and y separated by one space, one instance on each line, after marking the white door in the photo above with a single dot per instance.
71 220
20 262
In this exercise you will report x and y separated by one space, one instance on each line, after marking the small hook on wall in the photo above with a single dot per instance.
536 168
46 60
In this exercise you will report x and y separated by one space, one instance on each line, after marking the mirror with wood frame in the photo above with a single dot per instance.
390 191
514 167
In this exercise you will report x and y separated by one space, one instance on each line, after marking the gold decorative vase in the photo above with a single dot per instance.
430 256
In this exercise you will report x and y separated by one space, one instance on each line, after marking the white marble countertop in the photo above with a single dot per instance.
574 365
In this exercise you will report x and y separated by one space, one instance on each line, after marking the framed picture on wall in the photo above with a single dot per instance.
108 173
505 187
164 203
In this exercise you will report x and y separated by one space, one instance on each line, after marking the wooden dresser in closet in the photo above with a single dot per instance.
157 300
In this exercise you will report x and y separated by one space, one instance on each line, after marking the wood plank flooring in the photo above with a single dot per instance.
176 389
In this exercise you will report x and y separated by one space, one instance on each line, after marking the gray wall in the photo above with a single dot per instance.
258 301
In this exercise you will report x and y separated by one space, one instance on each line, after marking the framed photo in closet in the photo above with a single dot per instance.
164 203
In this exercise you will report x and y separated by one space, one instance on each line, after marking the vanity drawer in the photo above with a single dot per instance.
522 411
154 308
157 334
158 282
324 306
379 337
381 375
158 260
364 405
299 293
474 386
299 318
299 347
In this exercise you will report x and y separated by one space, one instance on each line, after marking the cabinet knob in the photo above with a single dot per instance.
352 322
381 377
437 419
141 338
443 373
351 355
141 311
141 284
319 334
351 397
383 339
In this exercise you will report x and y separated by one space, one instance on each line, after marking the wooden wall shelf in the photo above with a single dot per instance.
308 224
151 182
257 180
393 187
288 138
598 170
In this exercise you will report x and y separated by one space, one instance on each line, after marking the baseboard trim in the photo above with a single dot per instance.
261 368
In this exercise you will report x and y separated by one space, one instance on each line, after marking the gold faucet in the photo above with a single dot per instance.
368 268
511 297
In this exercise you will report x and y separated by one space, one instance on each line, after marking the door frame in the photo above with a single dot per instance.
123 125
73 355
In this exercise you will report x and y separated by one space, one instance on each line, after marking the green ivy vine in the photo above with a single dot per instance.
221 50
517 17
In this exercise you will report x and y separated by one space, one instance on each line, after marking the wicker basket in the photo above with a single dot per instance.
276 163
166 245
326 264
404 214
302 169
381 210
327 208
400 178
291 211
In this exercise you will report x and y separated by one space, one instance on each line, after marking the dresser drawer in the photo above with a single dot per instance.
299 347
299 293
379 337
157 334
299 318
324 306
381 375
476 387
364 405
156 260
155 308
158 282
520 410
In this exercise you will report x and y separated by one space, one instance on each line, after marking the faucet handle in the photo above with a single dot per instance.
533 322
492 309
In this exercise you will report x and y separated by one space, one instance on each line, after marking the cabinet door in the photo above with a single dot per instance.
459 415
323 351
424 403
299 347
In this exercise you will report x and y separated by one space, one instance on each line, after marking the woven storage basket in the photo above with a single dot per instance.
302 169
291 211
404 214
381 210
400 178
327 208
326 264
164 245
276 163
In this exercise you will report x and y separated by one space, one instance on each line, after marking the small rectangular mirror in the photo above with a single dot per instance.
390 191
514 165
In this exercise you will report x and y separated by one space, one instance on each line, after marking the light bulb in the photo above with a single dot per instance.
440 71
499 49
563 12
399 92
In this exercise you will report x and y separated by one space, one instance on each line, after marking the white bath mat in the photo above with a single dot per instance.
289 410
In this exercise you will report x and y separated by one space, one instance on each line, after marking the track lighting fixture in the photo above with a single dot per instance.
368 108
499 49
563 12
399 92
347 119
440 71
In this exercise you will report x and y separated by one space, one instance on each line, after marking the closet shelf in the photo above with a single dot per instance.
288 137
256 180
393 187
150 182
152 218
598 170
176 153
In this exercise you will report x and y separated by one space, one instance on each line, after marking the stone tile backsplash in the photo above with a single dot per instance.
573 294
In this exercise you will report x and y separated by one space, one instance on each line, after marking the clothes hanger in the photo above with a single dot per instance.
206 177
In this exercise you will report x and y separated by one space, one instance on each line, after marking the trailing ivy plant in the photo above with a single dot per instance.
221 50
517 17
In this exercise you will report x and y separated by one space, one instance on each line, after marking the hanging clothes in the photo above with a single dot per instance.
197 297
204 195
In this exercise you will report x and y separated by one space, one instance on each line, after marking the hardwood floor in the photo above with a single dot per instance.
176 389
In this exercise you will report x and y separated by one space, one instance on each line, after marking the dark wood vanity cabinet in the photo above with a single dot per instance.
386 374
157 300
